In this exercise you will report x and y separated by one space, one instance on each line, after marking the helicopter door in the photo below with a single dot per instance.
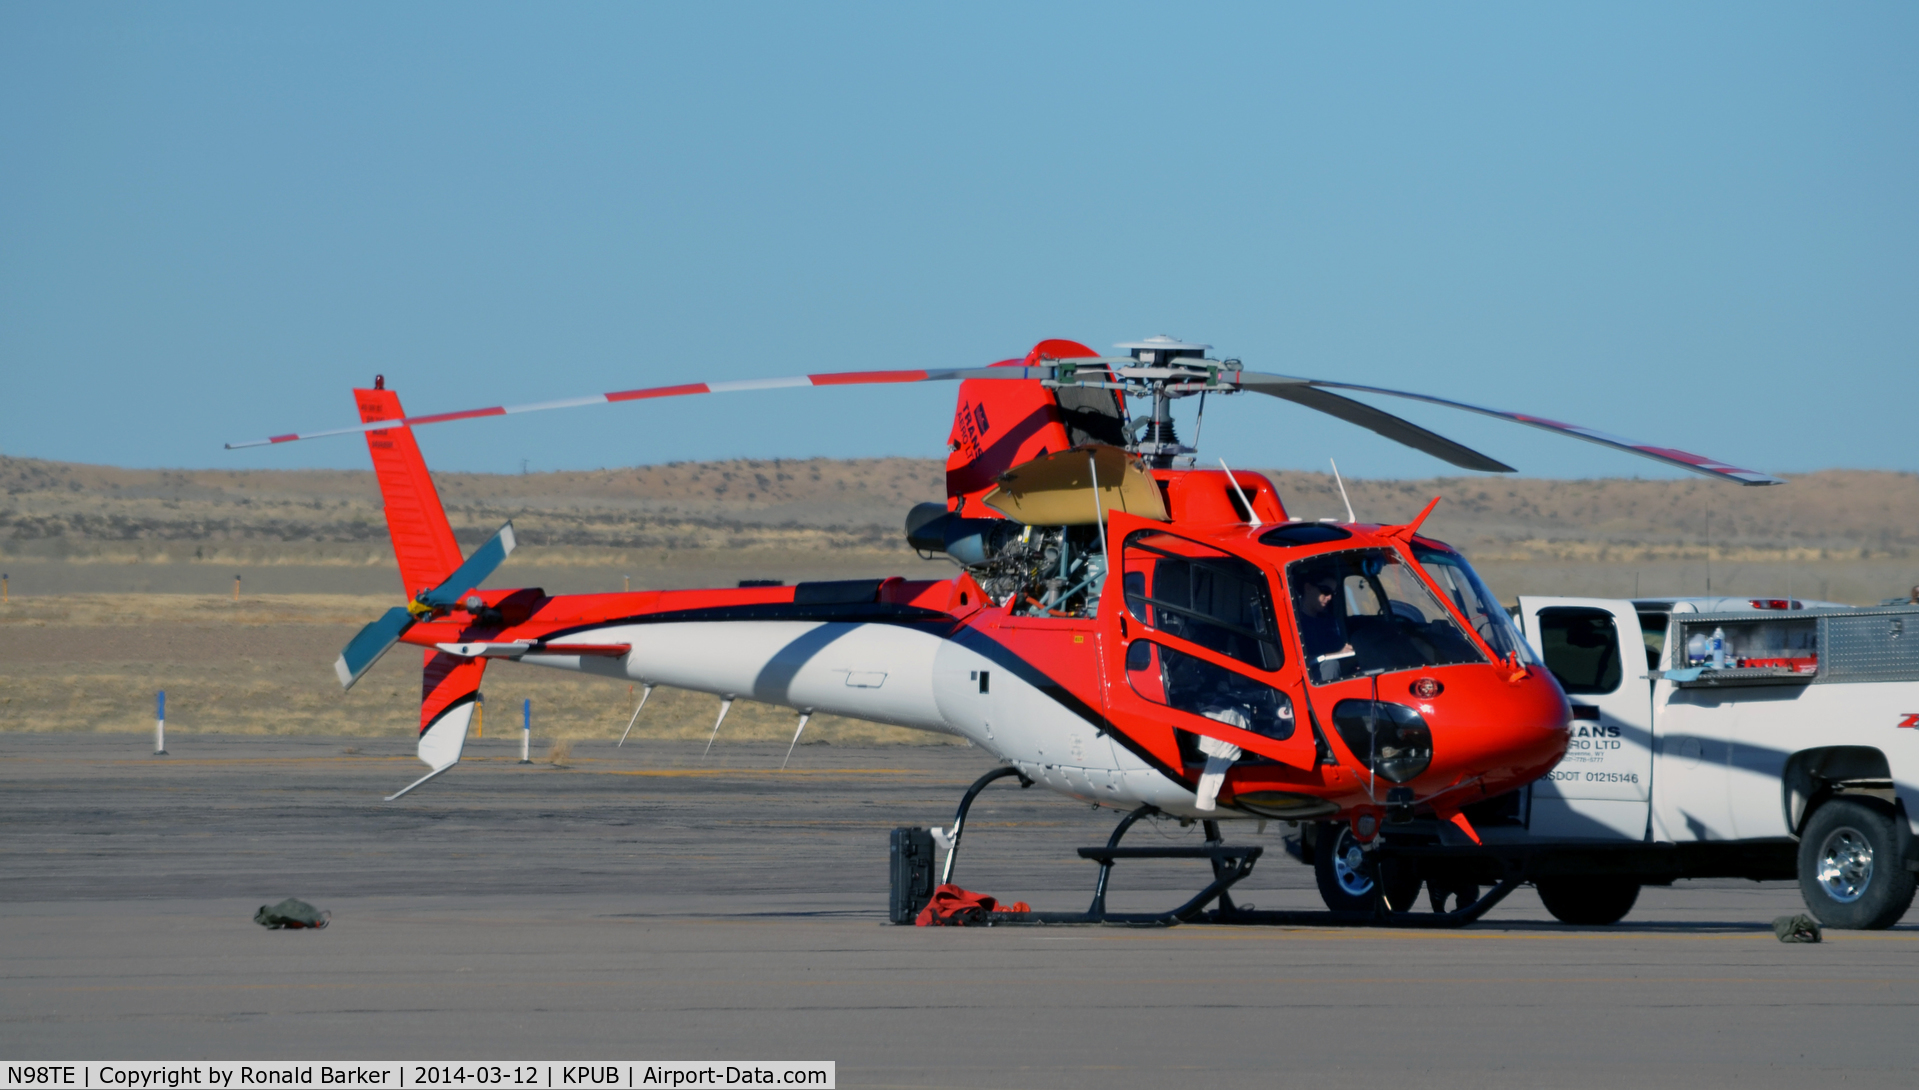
1603 787
1191 650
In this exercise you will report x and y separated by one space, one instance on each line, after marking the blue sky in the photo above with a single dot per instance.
1689 224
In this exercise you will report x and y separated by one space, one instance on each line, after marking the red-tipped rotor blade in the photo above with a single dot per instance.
835 378
1696 463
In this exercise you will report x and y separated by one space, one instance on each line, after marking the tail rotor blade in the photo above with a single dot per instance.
474 571
373 641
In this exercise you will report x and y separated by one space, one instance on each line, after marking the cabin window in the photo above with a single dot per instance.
1581 647
1188 683
1294 534
1366 612
1202 595
1462 587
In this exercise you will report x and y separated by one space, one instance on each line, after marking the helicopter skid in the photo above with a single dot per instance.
1195 911
1231 864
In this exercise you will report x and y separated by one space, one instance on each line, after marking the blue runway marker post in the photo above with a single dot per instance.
526 732
160 723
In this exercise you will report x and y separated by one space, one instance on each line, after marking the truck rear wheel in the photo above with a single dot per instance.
1850 872
1593 900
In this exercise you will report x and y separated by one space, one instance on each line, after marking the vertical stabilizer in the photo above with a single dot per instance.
449 698
422 540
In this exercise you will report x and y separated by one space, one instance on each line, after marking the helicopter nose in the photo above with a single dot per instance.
1483 727
1512 736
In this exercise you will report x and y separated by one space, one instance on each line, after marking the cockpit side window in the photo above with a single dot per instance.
1462 586
1202 595
1365 611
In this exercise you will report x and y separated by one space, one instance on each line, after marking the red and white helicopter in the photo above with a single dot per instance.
1127 628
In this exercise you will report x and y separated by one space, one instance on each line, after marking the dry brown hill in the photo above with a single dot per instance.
55 509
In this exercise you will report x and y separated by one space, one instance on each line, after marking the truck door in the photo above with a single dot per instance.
1602 788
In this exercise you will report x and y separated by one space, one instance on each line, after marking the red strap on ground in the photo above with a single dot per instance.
952 906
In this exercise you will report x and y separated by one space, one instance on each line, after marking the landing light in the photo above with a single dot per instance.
1391 739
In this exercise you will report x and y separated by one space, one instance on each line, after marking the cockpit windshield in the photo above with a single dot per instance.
1474 602
1365 611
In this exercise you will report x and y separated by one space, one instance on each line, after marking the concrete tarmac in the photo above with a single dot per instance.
644 903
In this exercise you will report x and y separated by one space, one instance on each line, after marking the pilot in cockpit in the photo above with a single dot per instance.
1320 630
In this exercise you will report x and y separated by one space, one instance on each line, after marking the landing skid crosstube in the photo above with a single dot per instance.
1230 864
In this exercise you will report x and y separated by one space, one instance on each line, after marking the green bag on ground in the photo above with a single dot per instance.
290 913
1800 928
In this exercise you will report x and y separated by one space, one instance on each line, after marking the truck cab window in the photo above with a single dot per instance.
1652 626
1581 648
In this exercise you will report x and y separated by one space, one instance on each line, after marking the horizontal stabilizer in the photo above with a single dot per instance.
478 650
519 648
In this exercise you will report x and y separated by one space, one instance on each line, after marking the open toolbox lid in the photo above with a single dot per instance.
1795 647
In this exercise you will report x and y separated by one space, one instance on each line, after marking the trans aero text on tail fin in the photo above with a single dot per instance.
422 540
998 424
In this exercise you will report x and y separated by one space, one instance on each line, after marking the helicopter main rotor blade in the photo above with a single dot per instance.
1312 393
1355 412
837 378
1696 463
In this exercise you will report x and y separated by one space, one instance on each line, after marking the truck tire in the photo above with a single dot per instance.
1850 872
1349 882
1591 900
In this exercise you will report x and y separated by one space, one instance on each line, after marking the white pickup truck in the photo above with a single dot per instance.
1712 737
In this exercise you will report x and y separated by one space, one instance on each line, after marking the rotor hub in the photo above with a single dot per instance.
1163 359
1163 350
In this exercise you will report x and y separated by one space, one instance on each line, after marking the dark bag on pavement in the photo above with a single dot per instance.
1800 928
290 913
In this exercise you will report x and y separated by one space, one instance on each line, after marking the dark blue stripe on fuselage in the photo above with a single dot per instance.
937 623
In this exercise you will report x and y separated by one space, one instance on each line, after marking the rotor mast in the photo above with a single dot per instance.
1160 443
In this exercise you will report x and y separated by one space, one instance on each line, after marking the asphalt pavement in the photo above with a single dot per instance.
645 902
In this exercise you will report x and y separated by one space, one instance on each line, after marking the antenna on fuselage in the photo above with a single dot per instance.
1099 516
1350 517
1251 515
804 716
636 715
